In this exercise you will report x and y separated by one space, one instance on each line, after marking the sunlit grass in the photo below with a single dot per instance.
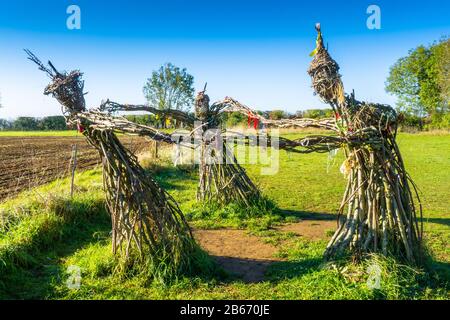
43 232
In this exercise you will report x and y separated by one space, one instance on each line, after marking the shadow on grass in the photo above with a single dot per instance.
444 221
246 270
440 269
171 178
38 279
282 270
260 270
180 178
307 215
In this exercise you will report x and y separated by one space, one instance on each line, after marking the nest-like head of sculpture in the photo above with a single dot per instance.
65 87
68 90
202 106
324 71
353 114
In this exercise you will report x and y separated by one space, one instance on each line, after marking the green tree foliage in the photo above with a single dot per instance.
26 124
52 123
317 113
234 119
441 56
170 88
277 115
421 80
32 124
409 121
5 124
140 119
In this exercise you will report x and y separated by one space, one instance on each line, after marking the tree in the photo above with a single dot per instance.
277 115
170 88
234 119
5 124
420 80
318 113
441 56
25 124
52 123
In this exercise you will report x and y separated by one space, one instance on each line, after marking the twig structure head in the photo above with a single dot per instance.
202 106
65 87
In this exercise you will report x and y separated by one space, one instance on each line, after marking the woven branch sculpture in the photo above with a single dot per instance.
146 221
312 143
381 212
221 178
378 212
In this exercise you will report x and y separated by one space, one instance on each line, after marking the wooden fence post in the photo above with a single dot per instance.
155 149
73 167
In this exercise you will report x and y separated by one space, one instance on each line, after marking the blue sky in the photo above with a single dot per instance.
254 51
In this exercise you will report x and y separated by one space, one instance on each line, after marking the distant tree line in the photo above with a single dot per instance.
155 121
34 124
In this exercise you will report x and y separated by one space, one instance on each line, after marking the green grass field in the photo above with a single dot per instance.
43 233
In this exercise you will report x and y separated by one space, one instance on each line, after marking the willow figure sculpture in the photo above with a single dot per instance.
147 223
379 203
221 178
378 212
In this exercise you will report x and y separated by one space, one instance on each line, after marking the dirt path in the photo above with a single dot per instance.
311 229
247 256
237 252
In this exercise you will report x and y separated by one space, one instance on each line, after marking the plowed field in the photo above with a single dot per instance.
26 162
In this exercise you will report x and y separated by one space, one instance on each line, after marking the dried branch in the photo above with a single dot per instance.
232 105
184 117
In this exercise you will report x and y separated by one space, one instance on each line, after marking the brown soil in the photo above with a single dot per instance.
247 256
311 229
27 162
237 252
